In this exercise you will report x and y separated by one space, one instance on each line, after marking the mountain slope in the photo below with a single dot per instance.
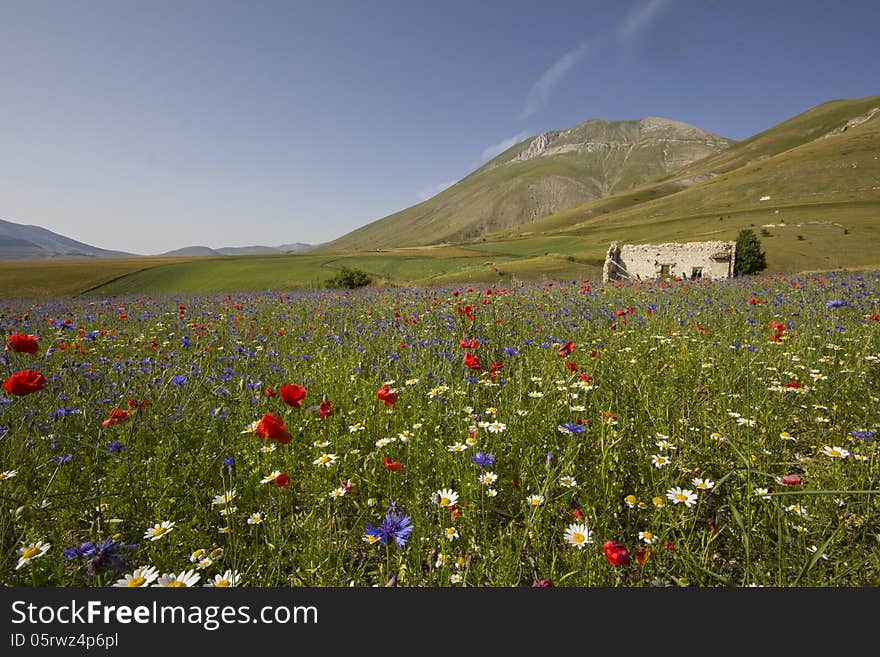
816 125
814 201
19 242
538 177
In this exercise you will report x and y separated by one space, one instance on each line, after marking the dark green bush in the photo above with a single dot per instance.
349 278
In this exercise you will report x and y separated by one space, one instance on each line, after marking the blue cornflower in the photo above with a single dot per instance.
510 351
115 447
228 467
62 459
573 427
396 526
100 557
483 460
178 380
837 303
864 434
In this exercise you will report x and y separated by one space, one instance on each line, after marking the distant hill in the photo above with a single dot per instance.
21 242
541 176
195 251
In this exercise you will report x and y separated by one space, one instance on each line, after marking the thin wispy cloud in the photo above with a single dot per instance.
539 94
634 23
497 149
640 18
431 191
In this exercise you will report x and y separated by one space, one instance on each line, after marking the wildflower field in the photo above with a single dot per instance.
712 434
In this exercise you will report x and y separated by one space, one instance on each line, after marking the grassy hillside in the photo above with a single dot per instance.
538 177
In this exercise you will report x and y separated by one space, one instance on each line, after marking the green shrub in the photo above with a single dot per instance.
349 278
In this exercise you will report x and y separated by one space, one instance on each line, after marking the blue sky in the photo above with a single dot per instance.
152 125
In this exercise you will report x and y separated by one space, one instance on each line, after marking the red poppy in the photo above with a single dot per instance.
269 392
792 384
117 416
471 361
394 466
271 426
494 367
643 555
136 403
388 395
469 344
790 480
669 546
26 344
578 514
293 395
616 553
325 409
282 480
566 349
24 383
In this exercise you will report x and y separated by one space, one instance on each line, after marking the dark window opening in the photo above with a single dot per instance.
696 272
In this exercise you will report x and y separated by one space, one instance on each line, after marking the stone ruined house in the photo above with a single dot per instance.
686 260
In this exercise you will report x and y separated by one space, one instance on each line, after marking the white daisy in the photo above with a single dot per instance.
139 578
445 497
535 500
159 530
451 533
567 482
578 535
682 496
184 578
488 478
8 474
325 460
225 498
228 578
703 484
270 477
659 460
835 452
255 518
28 553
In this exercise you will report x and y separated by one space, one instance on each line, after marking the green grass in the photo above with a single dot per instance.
682 392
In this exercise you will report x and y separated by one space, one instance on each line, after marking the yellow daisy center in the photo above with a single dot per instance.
177 584
445 501
30 552
578 538
158 531
135 581
681 497
222 582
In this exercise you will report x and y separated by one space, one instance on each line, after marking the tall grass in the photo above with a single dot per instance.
728 385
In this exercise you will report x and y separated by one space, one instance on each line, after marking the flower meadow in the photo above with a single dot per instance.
665 433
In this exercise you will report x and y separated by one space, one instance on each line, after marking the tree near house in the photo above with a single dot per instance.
749 257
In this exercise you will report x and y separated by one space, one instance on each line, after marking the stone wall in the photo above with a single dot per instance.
709 260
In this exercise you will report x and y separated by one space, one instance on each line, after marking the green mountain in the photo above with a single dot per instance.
540 176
